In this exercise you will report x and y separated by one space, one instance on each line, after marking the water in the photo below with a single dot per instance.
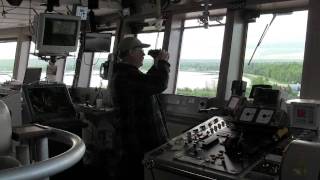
199 80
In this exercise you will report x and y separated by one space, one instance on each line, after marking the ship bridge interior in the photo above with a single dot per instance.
242 99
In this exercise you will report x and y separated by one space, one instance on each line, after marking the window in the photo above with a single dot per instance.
155 40
7 58
70 67
99 58
278 60
34 61
200 59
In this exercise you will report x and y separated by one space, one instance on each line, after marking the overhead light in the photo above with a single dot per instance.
14 2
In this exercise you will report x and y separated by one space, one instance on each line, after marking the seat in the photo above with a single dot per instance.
6 158
301 161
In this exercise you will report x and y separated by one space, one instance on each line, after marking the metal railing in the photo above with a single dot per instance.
51 166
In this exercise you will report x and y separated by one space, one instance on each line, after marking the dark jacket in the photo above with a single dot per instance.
141 124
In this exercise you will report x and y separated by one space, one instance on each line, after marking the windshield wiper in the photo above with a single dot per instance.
262 36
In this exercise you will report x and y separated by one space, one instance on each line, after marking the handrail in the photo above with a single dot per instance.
52 165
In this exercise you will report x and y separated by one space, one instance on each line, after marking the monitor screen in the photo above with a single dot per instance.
97 42
233 102
32 75
56 34
47 102
60 32
304 114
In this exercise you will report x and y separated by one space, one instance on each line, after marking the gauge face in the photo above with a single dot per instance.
248 114
265 116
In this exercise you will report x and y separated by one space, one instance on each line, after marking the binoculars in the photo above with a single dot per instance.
154 52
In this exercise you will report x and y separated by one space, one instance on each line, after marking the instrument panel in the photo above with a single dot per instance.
215 148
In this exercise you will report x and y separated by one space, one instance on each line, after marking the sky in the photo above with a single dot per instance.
285 39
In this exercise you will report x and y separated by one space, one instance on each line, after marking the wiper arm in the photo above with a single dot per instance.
262 36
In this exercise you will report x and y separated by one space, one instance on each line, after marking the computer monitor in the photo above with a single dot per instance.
46 102
32 75
97 42
255 86
266 97
55 33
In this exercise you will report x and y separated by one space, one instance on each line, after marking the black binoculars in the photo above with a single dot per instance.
154 52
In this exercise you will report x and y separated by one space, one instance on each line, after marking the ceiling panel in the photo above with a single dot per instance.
22 15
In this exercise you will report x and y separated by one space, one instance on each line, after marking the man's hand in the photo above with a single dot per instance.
163 56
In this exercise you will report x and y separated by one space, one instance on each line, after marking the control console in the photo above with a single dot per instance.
216 149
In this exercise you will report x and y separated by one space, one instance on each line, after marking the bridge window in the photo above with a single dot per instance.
99 58
34 61
278 60
7 58
200 59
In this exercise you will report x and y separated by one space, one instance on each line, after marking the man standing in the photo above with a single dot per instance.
141 124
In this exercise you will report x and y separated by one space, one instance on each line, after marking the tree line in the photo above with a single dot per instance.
282 72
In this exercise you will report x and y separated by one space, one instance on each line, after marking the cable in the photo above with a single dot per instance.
163 115
3 10
7 10
30 22
152 174
155 46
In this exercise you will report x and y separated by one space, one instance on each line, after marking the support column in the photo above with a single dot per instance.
61 63
232 58
310 87
172 42
22 57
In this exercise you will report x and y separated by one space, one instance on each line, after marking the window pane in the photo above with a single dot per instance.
7 60
200 61
70 67
99 58
155 40
278 60
34 61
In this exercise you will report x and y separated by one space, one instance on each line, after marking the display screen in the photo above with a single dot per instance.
234 101
49 102
301 113
58 32
32 75
304 114
97 42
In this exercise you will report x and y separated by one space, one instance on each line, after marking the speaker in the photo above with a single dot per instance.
93 4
